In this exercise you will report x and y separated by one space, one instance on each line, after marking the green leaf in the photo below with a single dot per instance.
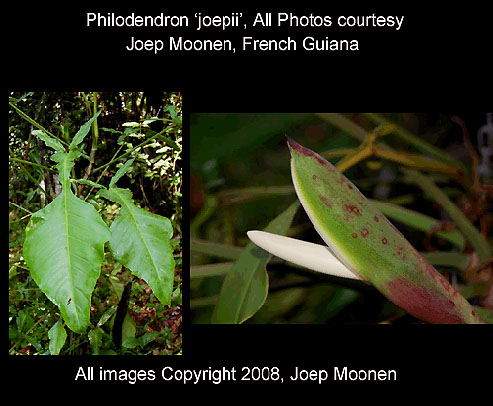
106 315
148 337
140 240
49 141
83 131
65 164
128 333
110 130
57 336
367 243
245 286
123 169
90 183
64 249
96 339
12 271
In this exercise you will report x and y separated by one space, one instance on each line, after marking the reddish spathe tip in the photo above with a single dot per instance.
292 144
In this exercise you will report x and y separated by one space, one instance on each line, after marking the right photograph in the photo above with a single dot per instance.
331 218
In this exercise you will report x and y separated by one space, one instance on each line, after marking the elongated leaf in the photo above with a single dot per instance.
362 238
83 131
128 333
121 171
90 183
245 286
95 339
140 241
64 249
57 336
49 141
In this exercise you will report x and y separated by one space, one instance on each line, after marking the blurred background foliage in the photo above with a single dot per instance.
144 126
240 180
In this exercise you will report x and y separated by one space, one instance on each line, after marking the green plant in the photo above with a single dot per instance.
414 182
362 238
64 248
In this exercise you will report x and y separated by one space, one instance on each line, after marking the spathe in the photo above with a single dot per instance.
306 254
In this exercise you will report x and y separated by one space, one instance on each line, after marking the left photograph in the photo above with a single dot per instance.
95 221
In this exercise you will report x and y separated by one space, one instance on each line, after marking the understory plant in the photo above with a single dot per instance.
64 246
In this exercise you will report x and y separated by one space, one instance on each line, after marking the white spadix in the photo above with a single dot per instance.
306 254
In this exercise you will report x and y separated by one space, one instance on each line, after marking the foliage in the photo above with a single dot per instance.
382 155
155 181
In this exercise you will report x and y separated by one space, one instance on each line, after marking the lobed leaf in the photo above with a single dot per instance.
64 249
140 240
362 238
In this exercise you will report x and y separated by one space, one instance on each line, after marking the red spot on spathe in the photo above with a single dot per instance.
297 147
326 201
375 218
308 153
354 235
364 232
351 209
423 303
384 240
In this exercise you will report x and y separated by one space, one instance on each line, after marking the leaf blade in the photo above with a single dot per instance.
83 131
57 336
140 241
49 141
245 286
73 234
123 169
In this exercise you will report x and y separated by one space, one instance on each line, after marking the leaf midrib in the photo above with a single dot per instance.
70 271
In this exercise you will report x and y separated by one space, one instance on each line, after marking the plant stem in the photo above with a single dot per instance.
95 138
30 163
102 173
20 207
416 161
350 160
28 173
345 124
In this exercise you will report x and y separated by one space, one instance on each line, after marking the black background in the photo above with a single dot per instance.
436 62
